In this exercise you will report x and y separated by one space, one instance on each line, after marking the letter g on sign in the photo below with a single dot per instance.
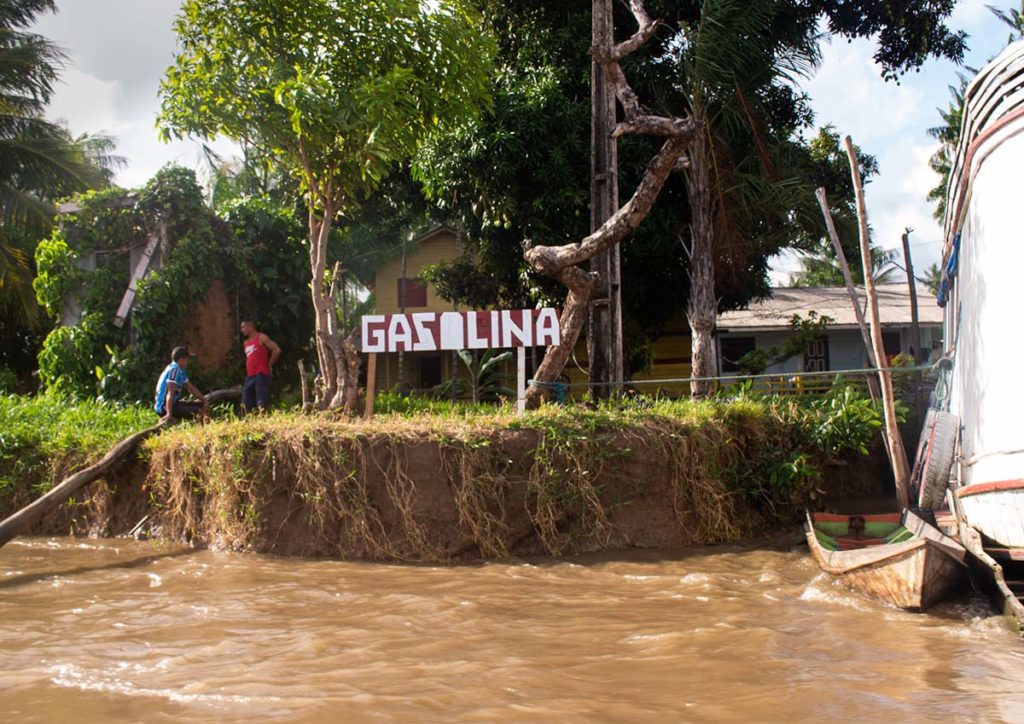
374 333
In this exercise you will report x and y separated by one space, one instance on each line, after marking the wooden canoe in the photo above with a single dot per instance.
898 559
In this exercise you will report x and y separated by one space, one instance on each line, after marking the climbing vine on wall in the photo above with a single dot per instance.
83 272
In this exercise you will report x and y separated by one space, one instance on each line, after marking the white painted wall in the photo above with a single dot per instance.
846 347
985 319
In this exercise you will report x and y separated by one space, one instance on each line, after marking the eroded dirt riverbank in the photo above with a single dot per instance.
416 490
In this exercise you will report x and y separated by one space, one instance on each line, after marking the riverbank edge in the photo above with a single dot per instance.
443 489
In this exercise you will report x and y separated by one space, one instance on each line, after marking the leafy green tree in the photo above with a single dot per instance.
821 269
339 93
933 279
521 170
727 62
39 160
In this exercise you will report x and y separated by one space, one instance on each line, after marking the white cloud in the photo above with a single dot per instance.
118 51
87 103
848 92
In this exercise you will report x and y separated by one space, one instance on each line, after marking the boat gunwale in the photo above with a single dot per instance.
998 486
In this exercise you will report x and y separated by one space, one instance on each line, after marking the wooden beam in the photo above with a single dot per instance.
141 267
865 334
897 453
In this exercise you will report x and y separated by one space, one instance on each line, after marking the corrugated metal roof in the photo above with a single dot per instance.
776 311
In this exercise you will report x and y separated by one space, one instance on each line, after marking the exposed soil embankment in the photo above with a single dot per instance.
445 489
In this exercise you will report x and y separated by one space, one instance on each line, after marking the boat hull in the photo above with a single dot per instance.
996 510
912 575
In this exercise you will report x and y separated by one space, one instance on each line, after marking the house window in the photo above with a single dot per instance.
411 293
816 357
430 371
733 350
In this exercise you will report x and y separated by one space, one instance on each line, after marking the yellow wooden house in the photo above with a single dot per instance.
397 289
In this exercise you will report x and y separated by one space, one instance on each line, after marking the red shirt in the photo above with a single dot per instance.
257 358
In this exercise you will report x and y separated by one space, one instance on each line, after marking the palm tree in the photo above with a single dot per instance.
821 268
728 61
39 160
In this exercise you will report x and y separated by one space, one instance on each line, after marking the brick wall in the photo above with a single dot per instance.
211 332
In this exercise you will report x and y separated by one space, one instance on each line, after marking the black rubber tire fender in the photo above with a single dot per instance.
939 460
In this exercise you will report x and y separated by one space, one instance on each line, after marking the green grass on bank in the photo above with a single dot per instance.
786 441
44 436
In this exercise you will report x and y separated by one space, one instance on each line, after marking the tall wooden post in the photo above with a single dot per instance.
865 334
915 321
897 453
401 310
604 334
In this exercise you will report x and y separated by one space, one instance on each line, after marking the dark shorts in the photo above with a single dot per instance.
256 392
186 410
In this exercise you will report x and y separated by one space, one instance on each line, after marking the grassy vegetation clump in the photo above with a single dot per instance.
45 436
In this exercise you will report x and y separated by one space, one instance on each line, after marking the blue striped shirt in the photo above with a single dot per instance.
172 373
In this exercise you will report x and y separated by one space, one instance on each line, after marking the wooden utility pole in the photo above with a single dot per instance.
915 321
604 337
897 453
865 334
401 309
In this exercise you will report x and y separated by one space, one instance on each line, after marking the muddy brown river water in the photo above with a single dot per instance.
100 631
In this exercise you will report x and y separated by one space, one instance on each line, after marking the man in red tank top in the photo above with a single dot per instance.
261 352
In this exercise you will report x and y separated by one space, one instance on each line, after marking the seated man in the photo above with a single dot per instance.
169 387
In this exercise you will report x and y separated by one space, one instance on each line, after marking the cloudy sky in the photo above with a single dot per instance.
119 49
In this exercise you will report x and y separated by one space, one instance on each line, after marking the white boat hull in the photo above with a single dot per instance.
996 510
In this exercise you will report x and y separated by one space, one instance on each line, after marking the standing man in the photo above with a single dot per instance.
168 391
261 352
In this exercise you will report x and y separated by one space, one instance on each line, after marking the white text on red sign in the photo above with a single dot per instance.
436 331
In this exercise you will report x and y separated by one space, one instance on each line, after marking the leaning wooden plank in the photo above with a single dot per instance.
894 442
141 267
34 512
865 334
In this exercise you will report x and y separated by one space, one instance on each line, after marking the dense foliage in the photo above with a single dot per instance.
339 93
521 171
83 271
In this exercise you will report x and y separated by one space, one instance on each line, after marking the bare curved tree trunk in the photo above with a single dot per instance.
563 262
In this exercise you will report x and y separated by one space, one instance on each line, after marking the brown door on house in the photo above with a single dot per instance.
816 358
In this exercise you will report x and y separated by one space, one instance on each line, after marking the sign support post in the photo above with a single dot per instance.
521 384
371 384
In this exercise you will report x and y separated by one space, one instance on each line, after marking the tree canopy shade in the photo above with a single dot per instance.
339 92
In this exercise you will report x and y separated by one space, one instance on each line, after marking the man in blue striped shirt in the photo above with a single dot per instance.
169 388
